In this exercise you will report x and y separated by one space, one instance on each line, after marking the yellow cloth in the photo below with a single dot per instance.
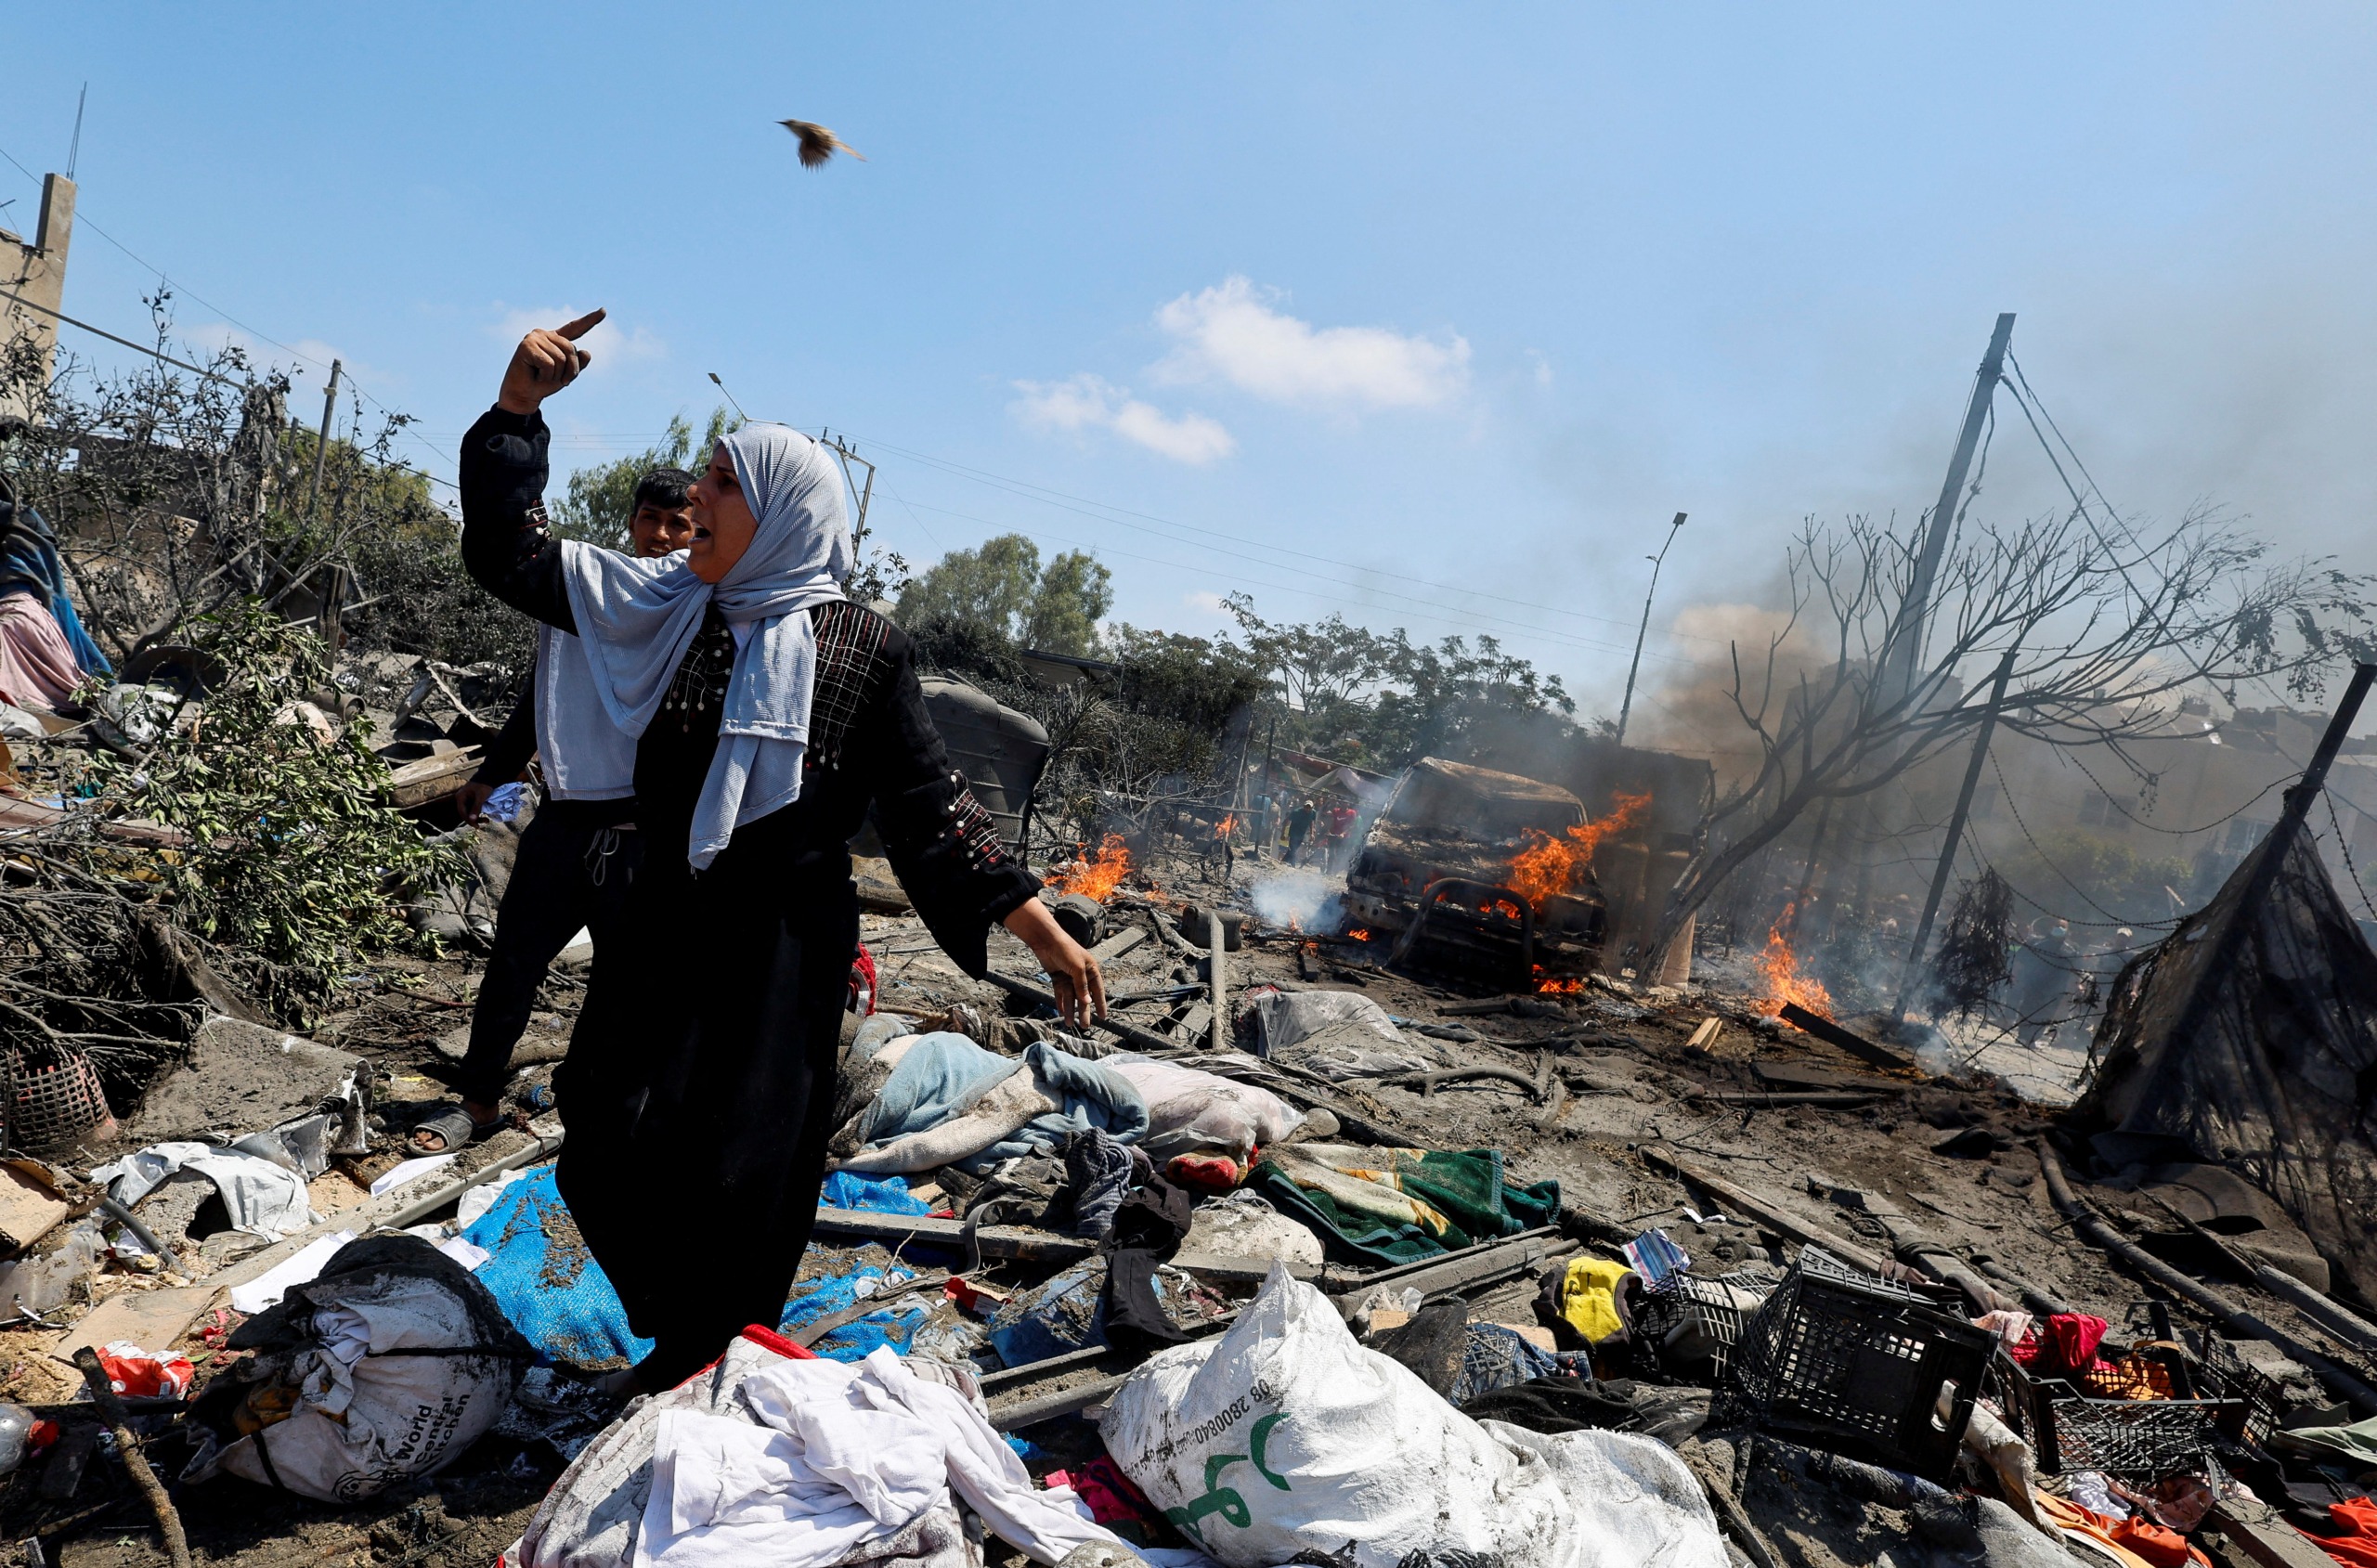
1589 1298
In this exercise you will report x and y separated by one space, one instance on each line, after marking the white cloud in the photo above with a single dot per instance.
316 355
1233 334
606 343
1088 402
1204 599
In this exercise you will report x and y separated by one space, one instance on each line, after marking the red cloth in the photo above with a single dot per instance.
2355 1545
2068 1348
1113 1499
863 986
2164 1549
141 1374
1206 1172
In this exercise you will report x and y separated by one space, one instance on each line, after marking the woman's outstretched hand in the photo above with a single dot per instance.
547 361
1081 989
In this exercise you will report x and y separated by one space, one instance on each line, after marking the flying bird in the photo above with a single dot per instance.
818 144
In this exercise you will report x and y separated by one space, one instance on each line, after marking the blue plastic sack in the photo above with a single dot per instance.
1066 1314
883 1195
547 1282
895 1327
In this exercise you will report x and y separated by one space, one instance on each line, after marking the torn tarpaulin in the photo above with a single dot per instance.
263 1198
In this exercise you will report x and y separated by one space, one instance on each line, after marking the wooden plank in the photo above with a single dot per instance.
1831 1033
1119 943
2262 1538
1757 1207
1807 1075
1803 1099
151 1319
996 1241
28 1208
432 778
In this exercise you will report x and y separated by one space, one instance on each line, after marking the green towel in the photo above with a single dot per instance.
1466 1188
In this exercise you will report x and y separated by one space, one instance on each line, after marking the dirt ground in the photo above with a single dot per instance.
1631 1083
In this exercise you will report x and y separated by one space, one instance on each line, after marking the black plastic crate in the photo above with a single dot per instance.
2071 1428
1843 1361
1703 1304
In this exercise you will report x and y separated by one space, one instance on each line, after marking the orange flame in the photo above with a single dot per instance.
1785 982
1097 874
1549 867
1358 935
1551 986
1228 826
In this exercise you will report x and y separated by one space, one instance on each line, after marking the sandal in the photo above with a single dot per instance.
453 1129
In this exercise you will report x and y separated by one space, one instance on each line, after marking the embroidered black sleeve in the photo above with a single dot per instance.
943 846
505 545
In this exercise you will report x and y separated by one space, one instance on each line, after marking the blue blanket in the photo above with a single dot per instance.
946 1075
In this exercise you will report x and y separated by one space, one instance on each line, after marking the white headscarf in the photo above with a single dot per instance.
636 618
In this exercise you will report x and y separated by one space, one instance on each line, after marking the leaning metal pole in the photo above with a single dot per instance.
1626 706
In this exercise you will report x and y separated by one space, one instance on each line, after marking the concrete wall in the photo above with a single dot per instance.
35 272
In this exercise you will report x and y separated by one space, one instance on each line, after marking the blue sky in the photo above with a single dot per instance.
1429 314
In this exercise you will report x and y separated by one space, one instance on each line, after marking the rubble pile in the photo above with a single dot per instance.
1337 1241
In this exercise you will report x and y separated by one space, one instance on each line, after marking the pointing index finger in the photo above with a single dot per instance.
583 325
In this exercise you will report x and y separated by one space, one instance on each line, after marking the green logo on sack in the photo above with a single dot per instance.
1225 1501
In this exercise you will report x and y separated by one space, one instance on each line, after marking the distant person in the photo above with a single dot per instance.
1339 848
2045 963
570 871
45 653
1300 817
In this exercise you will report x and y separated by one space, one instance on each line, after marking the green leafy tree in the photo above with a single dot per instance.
292 857
600 499
1074 592
1378 698
989 592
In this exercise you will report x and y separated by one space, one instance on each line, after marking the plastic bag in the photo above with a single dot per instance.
140 1374
1285 1436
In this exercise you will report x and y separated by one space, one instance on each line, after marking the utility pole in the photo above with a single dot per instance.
322 442
848 455
1955 829
1908 652
1903 656
1627 707
333 580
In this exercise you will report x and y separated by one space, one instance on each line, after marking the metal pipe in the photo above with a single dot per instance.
2093 1230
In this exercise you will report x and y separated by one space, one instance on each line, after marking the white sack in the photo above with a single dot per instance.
1285 1435
367 1414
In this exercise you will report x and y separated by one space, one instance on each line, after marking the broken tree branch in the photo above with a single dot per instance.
127 1451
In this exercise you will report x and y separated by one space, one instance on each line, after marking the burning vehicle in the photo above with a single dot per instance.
1485 873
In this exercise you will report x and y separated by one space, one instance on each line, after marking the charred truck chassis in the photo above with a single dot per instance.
1431 877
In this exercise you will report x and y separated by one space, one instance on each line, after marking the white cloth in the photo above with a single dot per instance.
1188 1110
585 757
636 618
301 1267
846 1454
263 1198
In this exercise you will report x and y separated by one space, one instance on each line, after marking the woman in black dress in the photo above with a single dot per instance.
697 1097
